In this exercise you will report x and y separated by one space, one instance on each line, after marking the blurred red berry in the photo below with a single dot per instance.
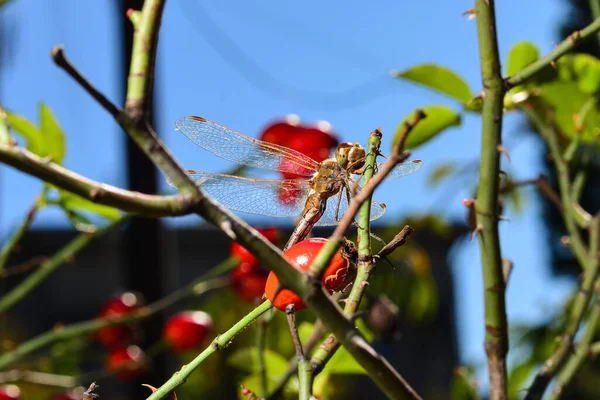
10 392
125 362
281 131
248 281
242 255
118 306
289 196
187 330
314 142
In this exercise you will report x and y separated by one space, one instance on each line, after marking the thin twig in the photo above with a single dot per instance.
135 202
14 239
66 253
564 47
587 260
90 393
23 267
486 207
304 369
261 342
397 241
58 56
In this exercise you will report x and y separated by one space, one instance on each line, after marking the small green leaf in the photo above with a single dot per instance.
5 137
246 359
520 56
79 221
365 330
34 138
72 202
587 70
305 330
53 134
343 363
438 119
438 78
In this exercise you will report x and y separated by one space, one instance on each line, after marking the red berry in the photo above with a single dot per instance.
125 362
242 255
187 330
10 392
118 306
290 196
281 131
313 142
301 256
248 281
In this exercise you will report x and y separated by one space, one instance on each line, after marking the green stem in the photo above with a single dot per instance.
196 288
580 355
588 261
595 7
486 206
261 341
5 136
564 47
63 255
305 381
365 264
10 244
219 343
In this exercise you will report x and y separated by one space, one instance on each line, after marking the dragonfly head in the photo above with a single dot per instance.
350 156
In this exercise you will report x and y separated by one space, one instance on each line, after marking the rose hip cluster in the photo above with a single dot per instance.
182 332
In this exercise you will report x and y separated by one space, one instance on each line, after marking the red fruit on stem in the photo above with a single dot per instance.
118 306
242 255
301 256
125 362
187 330
248 281
281 131
312 142
10 392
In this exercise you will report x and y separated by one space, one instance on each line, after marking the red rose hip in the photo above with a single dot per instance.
126 362
187 330
242 255
248 281
118 306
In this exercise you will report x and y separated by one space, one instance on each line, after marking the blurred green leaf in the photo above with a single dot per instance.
80 222
365 330
72 202
441 172
4 129
34 139
423 298
53 134
438 119
462 387
305 329
246 360
518 379
343 363
438 78
520 56
252 382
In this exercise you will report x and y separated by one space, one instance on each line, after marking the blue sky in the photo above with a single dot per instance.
243 64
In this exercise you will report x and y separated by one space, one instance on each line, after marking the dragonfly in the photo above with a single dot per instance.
319 195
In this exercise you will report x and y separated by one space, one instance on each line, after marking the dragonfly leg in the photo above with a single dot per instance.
337 206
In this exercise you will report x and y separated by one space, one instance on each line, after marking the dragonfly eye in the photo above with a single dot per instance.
355 158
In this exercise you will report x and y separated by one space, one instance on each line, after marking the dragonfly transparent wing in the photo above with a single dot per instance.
241 149
330 217
400 170
273 198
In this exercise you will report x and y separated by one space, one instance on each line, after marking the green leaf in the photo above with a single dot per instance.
34 138
53 134
80 222
246 359
438 78
519 377
438 119
520 56
343 363
365 330
72 202
5 137
462 387
305 330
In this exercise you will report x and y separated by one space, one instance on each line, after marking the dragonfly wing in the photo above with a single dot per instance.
404 168
241 149
273 198
331 217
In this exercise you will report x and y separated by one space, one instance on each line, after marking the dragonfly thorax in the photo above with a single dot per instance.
329 179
